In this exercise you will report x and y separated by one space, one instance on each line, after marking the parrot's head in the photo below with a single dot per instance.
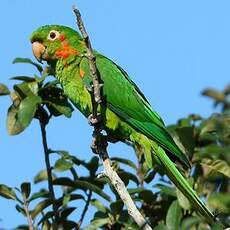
53 42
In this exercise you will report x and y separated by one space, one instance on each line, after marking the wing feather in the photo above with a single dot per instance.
125 99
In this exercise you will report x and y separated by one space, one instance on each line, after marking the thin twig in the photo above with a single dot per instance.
29 218
92 62
48 168
89 196
100 147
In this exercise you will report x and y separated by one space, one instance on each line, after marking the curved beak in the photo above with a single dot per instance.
39 51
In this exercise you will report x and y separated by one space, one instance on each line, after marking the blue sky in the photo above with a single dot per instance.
171 49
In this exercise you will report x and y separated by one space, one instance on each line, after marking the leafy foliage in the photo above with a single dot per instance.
34 98
206 141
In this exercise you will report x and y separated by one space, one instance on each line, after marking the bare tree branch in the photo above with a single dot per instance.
43 124
100 147
89 196
27 212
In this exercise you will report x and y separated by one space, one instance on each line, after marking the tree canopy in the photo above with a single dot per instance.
206 141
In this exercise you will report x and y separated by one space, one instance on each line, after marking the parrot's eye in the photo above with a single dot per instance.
53 35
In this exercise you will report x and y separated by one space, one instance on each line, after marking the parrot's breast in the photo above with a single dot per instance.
74 88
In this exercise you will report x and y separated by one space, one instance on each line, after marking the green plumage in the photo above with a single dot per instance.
126 113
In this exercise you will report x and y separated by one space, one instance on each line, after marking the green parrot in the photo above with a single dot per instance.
126 114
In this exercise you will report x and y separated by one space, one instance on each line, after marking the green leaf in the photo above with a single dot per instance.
130 225
227 89
195 117
40 207
41 194
97 223
4 90
29 61
27 109
174 216
148 196
217 166
26 189
74 159
98 205
16 99
66 199
68 225
56 101
184 122
58 109
166 189
23 78
42 176
93 164
46 216
133 191
150 176
66 212
46 225
99 215
127 176
14 127
76 197
116 207
25 89
216 95
92 187
7 192
215 128
65 181
183 201
186 136
124 161
22 227
218 226
220 202
62 165
161 227
62 153
189 222
20 209
212 151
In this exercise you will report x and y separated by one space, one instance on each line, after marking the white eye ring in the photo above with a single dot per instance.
54 34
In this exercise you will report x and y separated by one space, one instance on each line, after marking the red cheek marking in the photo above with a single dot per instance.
82 73
65 45
66 51
62 54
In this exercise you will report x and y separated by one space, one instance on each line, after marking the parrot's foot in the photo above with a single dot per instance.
95 121
99 143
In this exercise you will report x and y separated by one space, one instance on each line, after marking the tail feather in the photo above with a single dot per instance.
183 185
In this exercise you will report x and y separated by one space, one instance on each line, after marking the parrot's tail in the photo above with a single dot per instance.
184 187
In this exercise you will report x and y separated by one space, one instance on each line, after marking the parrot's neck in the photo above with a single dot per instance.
67 72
